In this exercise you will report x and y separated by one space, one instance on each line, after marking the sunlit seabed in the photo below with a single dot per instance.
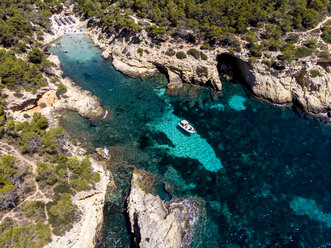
263 171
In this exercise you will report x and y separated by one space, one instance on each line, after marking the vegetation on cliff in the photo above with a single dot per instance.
19 20
214 20
262 27
57 174
39 187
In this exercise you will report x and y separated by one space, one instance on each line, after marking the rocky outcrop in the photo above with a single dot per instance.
81 101
293 85
91 204
126 59
156 223
135 68
24 101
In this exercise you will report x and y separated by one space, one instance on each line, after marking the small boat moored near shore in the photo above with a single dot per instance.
184 124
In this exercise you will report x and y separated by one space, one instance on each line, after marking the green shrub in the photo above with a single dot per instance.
250 37
315 73
140 51
2 110
170 52
302 52
40 33
54 80
16 73
18 94
79 184
203 56
2 121
235 46
36 236
324 54
273 45
252 59
194 53
62 188
326 34
287 52
292 39
155 31
267 62
61 89
181 47
310 43
202 71
84 177
35 56
21 46
181 55
26 115
46 173
8 176
206 46
54 140
34 209
256 50
62 213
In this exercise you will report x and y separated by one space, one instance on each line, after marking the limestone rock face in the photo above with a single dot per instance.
312 95
154 223
292 85
279 84
75 99
153 60
135 68
81 101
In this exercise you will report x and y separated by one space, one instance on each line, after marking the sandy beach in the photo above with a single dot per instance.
59 29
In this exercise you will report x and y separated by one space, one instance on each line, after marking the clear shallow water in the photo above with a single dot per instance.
263 171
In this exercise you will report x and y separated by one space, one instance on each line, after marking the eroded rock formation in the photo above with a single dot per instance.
279 84
156 223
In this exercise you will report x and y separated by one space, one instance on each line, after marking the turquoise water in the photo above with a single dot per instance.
262 171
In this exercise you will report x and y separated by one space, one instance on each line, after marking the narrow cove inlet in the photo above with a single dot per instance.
260 172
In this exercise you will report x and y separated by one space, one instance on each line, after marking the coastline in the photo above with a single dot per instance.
141 69
293 86
90 203
286 87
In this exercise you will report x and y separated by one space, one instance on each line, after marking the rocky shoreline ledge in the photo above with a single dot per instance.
46 101
155 223
277 84
89 203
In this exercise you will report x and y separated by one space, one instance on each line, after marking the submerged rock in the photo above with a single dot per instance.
156 223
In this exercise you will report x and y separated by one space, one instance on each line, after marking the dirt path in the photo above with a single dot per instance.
33 197
305 34
320 24
20 156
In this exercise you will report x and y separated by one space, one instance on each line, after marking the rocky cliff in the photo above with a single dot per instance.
156 223
280 84
46 101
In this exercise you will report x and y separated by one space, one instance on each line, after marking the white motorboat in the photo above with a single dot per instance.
186 126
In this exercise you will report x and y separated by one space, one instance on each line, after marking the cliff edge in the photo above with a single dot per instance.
155 223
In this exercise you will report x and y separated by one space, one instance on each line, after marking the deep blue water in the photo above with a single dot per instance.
262 171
